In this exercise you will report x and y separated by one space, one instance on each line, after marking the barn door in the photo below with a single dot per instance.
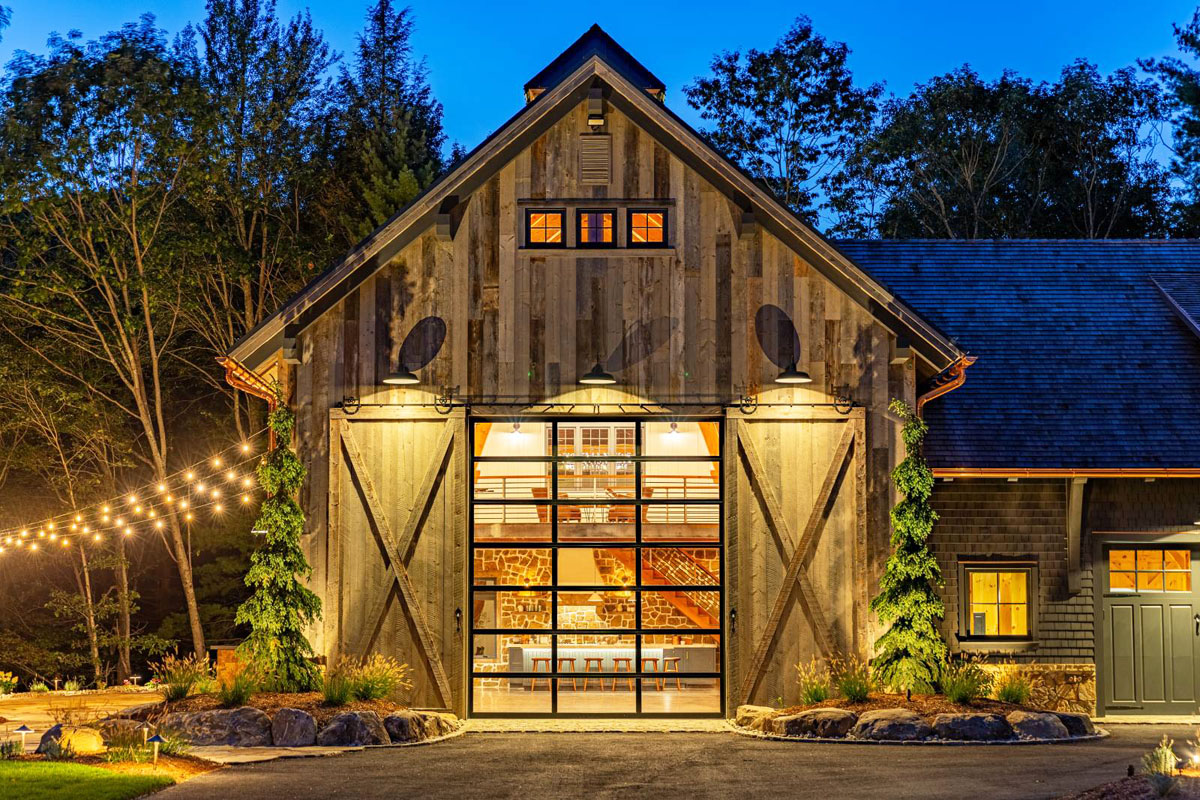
796 545
397 535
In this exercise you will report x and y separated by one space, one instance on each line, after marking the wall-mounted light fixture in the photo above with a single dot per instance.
595 108
793 375
596 376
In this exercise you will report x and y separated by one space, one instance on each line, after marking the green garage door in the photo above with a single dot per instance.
1151 630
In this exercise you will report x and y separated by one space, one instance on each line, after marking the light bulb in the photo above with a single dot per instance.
247 482
50 525
231 475
65 542
33 546
41 534
137 509
129 531
191 476
104 518
216 462
86 529
199 486
245 447
53 536
170 499
74 526
153 513
24 533
105 509
162 487
216 492
119 521
96 538
188 516
133 498
245 498
217 508
183 503
78 518
158 524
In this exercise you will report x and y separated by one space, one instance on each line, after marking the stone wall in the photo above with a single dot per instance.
1056 687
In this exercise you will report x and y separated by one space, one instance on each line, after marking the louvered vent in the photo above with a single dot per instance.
595 159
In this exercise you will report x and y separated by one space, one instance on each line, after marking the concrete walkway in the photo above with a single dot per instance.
692 765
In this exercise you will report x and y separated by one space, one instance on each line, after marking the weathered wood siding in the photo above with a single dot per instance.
525 324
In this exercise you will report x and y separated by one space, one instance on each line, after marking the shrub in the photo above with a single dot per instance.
8 682
379 677
336 688
10 749
71 686
853 677
180 675
1013 687
963 682
815 685
1159 767
55 750
234 689
173 744
39 687
127 746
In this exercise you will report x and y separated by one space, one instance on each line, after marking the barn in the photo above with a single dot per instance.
595 426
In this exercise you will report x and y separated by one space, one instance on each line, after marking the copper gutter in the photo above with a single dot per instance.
1008 472
947 381
244 379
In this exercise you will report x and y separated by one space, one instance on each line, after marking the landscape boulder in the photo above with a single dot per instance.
754 717
80 741
291 727
143 712
438 723
238 727
892 725
972 727
1076 724
823 723
353 729
1037 725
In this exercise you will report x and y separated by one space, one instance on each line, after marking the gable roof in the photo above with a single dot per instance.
595 42
621 84
1083 364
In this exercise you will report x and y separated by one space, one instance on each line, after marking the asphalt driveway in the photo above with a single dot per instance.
691 765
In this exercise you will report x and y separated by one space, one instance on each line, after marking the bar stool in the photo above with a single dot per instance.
567 660
653 661
588 663
536 661
671 665
621 664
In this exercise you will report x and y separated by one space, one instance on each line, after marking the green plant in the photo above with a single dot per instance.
853 677
55 750
815 683
173 743
127 746
963 682
234 689
180 675
71 686
39 687
910 652
1159 766
9 749
8 682
281 606
336 688
379 677
1013 687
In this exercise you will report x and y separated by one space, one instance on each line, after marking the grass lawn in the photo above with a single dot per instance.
66 781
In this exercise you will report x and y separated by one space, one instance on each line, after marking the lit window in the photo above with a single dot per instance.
595 441
544 228
647 228
997 602
625 441
596 228
1149 570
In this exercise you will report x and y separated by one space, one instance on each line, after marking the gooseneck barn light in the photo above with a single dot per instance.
793 375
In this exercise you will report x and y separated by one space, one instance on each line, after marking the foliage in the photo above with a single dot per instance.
854 678
39 687
964 681
1013 687
281 606
787 115
127 746
815 682
75 781
909 654
336 687
1160 766
379 677
8 682
10 749
173 743
1180 78
71 686
55 750
235 688
180 675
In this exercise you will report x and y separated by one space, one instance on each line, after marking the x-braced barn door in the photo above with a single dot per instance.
796 541
397 522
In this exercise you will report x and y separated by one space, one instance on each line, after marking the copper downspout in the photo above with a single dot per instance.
947 381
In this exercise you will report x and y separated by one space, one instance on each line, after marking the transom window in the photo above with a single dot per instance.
647 227
997 601
1149 570
544 228
596 227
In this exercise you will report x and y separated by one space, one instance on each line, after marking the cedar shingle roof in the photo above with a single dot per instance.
1083 363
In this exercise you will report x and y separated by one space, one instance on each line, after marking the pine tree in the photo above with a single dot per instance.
281 605
910 654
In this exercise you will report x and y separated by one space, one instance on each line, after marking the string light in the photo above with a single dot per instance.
33 546
129 531
66 542
231 475
188 516
217 508
190 476
245 447
158 524
162 487
245 499
183 504
78 518
41 534
53 536
105 509
199 486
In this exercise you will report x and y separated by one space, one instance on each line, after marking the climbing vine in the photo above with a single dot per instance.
281 605
910 653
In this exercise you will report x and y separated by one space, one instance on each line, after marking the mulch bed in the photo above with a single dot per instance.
927 706
1138 788
270 702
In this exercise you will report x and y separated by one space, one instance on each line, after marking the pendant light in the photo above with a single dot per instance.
792 375
597 377
401 377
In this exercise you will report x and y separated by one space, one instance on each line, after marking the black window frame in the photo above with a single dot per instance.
631 244
967 566
580 243
529 212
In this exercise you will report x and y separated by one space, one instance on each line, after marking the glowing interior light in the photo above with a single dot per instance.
65 542
53 536
120 521
41 534
96 538
153 513
50 525
199 486
74 526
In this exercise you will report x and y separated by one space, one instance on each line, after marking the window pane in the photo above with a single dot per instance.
1121 581
1150 581
983 587
596 523
1012 587
592 610
681 522
1120 560
983 620
595 480
1012 620
497 480
512 523
512 566
503 652
667 695
1179 581
505 439
515 610
684 566
681 609
681 438
1177 559
596 567
497 695
1149 559
596 674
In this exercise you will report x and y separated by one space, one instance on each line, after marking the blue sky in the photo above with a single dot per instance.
481 53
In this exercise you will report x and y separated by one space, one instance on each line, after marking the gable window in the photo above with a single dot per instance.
997 601
596 227
647 227
544 228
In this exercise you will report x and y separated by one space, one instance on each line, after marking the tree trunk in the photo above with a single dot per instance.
124 637
183 560
85 589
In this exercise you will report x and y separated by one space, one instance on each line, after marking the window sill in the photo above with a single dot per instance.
598 252
973 645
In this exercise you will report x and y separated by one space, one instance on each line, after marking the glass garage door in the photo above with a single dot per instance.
596 567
